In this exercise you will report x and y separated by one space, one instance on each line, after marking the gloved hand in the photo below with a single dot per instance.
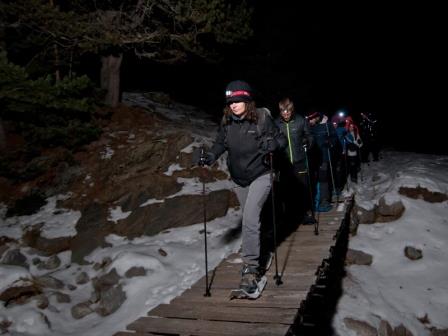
305 144
327 142
267 145
200 157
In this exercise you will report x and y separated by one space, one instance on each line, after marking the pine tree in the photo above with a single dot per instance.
165 31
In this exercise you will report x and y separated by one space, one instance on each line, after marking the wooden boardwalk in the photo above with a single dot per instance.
299 257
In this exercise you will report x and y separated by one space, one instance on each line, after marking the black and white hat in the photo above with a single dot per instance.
238 91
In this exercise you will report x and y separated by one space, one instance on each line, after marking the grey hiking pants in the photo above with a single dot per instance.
252 199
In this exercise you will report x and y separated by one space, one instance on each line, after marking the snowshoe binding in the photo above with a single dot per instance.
251 286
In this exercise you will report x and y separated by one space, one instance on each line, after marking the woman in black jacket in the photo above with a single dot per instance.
248 135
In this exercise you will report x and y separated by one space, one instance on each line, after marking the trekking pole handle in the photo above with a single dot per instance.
202 157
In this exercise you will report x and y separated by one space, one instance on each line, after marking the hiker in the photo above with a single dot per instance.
249 135
369 132
353 144
325 138
339 152
294 178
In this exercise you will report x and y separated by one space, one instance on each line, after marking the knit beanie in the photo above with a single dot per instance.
313 115
238 91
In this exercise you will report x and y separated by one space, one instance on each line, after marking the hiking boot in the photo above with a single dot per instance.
324 206
308 220
250 278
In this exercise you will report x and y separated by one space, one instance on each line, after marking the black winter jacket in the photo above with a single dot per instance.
243 140
297 133
325 137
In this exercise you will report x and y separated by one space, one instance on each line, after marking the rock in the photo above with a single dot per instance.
439 332
361 328
19 294
82 278
111 300
162 252
174 212
46 246
92 227
388 212
354 223
80 310
3 249
401 330
15 257
423 193
51 263
105 281
413 253
152 186
71 287
385 329
27 205
355 257
135 271
42 301
104 263
364 216
62 297
49 282
4 326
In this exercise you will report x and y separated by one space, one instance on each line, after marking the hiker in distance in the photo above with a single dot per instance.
294 174
326 139
249 135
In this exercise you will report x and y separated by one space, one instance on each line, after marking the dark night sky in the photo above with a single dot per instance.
365 58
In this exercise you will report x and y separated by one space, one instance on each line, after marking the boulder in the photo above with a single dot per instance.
389 211
355 257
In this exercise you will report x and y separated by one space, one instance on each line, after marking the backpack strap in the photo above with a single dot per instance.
262 114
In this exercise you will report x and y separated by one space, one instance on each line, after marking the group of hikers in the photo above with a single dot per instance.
313 157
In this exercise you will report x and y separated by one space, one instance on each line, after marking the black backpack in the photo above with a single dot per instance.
262 114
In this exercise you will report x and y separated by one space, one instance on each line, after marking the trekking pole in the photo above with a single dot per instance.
331 166
346 164
316 222
360 165
204 202
277 277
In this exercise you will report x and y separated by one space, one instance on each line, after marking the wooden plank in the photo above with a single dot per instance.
278 297
209 311
206 328
124 333
299 256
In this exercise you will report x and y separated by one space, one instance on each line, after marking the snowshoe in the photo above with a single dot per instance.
242 293
309 220
251 286
324 207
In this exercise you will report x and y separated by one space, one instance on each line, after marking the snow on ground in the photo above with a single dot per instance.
394 288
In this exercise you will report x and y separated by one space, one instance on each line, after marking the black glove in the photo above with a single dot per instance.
327 142
267 145
200 157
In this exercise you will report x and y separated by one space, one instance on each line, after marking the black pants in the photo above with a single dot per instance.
324 178
295 190
353 167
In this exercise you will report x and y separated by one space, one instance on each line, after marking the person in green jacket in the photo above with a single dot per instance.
294 177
